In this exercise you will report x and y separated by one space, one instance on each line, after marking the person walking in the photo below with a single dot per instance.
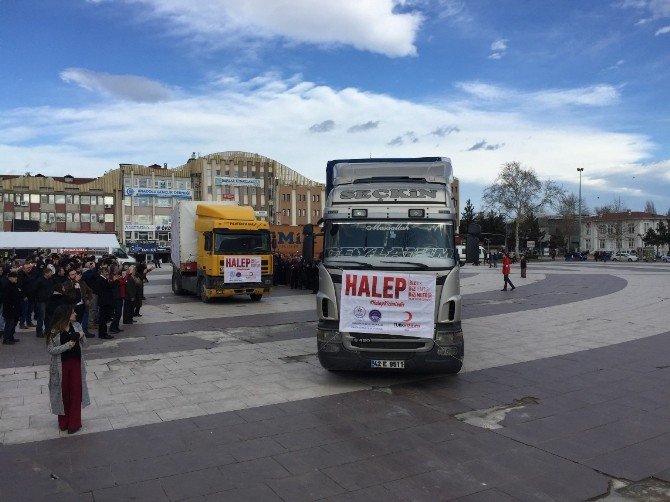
506 269
523 264
68 391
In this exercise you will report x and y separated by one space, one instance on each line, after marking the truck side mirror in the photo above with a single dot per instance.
472 243
308 248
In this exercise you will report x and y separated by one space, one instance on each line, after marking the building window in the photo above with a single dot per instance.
8 197
35 215
85 199
34 198
127 218
602 244
109 200
631 228
127 201
9 216
143 236
588 243
109 218
101 218
129 235
209 190
647 226
631 243
142 201
85 218
60 199
144 183
163 202
60 217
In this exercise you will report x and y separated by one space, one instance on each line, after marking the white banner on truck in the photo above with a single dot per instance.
242 269
388 302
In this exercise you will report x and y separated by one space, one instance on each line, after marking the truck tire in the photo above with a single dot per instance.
255 297
176 283
202 292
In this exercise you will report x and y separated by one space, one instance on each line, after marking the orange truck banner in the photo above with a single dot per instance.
288 239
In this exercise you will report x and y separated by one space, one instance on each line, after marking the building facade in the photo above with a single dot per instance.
136 201
617 231
60 204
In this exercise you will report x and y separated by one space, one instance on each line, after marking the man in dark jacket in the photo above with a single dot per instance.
11 308
27 276
44 286
105 287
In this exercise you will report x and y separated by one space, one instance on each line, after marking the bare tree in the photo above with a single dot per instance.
568 216
650 207
518 192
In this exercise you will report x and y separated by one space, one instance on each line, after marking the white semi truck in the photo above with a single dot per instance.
389 292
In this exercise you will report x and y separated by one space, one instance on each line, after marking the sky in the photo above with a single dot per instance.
88 84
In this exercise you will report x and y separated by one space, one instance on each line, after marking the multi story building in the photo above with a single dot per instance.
277 193
60 204
136 201
617 231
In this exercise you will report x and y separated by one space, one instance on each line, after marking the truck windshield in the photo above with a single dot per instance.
385 243
227 242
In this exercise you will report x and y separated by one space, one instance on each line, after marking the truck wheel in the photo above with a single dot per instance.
255 297
176 284
202 291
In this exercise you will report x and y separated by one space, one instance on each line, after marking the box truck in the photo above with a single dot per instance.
220 249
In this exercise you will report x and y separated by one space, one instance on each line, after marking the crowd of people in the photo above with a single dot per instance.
296 272
101 294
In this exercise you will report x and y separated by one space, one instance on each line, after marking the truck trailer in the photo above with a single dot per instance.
389 291
219 250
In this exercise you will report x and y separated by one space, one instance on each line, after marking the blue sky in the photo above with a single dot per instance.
87 85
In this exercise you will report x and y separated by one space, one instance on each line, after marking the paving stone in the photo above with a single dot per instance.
309 486
147 490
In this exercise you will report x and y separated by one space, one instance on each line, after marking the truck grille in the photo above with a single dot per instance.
365 342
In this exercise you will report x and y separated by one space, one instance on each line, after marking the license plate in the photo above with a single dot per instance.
378 363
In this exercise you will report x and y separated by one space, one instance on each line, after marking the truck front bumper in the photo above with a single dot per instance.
445 355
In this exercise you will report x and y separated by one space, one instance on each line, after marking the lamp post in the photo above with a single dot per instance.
579 246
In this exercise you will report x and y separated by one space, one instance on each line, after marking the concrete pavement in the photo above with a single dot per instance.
574 337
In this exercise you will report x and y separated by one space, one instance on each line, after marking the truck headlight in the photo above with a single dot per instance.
328 340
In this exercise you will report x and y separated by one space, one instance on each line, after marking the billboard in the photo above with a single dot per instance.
158 192
288 239
238 182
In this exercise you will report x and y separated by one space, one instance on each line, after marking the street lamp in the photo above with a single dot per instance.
579 246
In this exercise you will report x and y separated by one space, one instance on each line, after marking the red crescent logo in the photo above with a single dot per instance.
409 316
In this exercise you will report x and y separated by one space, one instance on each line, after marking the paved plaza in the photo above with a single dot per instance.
564 395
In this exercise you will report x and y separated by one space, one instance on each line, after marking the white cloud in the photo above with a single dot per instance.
596 95
662 31
498 48
126 87
272 117
369 25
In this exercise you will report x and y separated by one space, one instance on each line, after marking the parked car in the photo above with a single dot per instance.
575 256
624 256
665 258
604 256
